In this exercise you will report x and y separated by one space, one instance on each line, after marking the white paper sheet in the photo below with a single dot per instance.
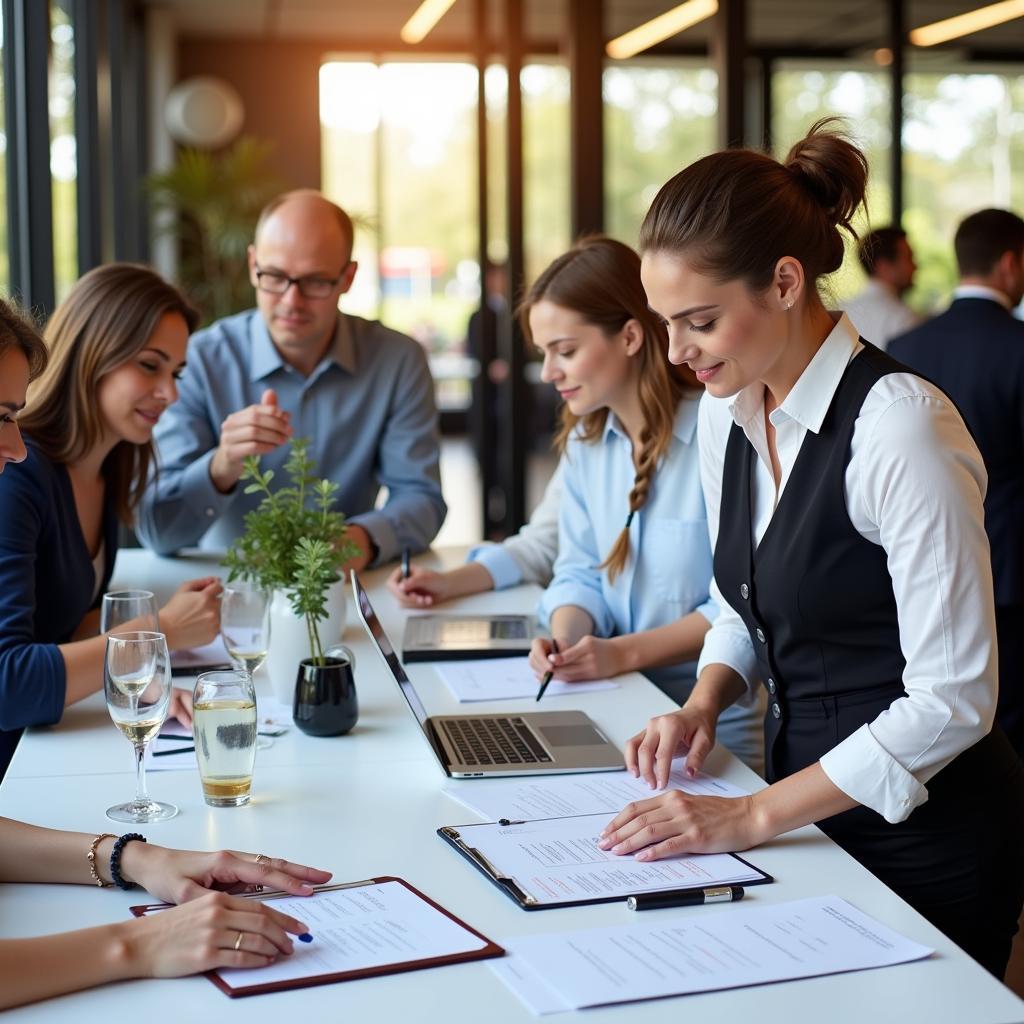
505 679
353 929
698 951
558 861
200 658
558 796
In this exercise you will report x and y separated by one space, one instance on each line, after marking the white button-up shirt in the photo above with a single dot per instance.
914 485
879 314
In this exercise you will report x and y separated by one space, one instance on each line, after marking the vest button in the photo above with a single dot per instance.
759 633
744 591
776 710
771 686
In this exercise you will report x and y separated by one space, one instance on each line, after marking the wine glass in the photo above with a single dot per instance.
245 628
137 685
135 606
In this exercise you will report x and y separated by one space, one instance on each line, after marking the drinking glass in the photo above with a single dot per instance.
224 724
137 685
135 606
245 629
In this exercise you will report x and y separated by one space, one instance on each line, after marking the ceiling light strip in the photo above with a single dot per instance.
663 27
965 24
427 15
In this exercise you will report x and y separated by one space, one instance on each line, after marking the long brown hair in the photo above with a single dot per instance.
106 320
738 212
599 278
18 331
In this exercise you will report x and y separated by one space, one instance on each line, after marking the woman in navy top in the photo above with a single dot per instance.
630 586
117 344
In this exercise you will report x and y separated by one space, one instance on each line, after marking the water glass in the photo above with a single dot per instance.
135 606
224 726
137 685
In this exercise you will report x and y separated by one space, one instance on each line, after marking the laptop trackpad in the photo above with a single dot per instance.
571 735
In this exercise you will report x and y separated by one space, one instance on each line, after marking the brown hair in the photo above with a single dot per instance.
983 238
107 319
738 212
18 331
880 244
599 278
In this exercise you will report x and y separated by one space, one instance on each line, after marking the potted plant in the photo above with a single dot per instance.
293 545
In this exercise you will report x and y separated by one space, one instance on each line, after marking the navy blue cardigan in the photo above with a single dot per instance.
47 583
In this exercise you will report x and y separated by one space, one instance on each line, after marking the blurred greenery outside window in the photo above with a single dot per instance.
5 273
657 119
403 164
63 153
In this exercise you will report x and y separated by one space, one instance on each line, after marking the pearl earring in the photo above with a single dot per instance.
789 304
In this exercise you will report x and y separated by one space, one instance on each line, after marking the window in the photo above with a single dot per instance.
63 155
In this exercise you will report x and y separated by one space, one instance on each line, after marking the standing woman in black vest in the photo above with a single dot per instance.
851 560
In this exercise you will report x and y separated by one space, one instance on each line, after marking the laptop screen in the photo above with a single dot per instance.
383 644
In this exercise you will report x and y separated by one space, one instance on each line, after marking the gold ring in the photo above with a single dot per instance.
262 858
238 941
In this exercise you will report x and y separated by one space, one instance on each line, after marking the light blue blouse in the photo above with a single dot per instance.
669 569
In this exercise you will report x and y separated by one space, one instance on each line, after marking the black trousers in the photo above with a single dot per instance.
958 858
1010 711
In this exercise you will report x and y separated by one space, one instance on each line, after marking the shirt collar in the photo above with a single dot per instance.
684 426
265 358
980 291
810 397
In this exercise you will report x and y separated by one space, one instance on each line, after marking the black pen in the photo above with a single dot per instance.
547 675
179 750
405 562
684 897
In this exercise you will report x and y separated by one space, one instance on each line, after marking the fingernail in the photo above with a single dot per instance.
692 772
306 886
643 855
305 937
603 844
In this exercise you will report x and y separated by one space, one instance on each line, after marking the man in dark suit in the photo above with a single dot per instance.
975 353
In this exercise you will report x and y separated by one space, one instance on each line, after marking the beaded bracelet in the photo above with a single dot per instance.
115 859
91 858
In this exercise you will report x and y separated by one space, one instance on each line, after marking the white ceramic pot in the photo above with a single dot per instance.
289 638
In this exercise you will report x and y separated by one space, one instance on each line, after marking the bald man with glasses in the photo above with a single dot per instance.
297 367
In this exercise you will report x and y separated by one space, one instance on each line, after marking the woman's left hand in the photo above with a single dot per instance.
676 823
591 657
180 706
177 876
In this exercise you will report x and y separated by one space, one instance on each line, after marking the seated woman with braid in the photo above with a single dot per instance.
631 581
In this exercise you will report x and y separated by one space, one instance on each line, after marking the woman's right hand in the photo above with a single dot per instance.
192 616
422 588
201 935
690 731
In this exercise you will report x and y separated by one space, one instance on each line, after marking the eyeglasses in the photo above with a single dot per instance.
312 286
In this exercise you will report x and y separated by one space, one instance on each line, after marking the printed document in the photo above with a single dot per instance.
558 796
505 679
699 951
559 861
373 925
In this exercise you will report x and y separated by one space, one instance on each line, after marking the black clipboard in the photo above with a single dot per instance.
487 951
452 835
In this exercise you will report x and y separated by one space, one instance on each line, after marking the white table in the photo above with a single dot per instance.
367 804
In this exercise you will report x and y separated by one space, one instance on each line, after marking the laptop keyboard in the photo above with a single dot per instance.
494 741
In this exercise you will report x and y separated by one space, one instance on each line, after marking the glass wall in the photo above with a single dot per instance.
5 270
63 153
657 119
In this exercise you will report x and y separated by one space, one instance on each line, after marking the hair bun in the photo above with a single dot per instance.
832 169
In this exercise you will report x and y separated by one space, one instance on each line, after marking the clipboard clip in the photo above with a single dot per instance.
488 868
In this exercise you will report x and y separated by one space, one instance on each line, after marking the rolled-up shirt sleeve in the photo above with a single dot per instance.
727 642
577 578
920 490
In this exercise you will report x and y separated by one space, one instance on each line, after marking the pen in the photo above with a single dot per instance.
684 897
194 670
405 562
547 675
179 750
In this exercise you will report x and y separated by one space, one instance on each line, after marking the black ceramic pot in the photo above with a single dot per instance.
325 695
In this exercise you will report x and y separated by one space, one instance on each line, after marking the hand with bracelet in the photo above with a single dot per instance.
212 927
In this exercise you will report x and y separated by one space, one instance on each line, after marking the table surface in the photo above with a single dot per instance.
368 804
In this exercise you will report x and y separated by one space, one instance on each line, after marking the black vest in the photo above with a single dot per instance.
815 595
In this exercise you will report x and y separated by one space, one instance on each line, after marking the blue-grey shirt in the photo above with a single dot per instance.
368 409
668 573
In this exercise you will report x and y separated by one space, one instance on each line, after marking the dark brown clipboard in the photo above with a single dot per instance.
487 952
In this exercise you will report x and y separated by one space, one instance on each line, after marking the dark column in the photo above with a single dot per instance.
29 197
729 50
586 134
897 39
760 133
515 432
87 135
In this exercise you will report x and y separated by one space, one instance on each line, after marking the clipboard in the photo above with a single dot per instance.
454 836
488 951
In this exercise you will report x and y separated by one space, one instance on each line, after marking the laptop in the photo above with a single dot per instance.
489 745
456 637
